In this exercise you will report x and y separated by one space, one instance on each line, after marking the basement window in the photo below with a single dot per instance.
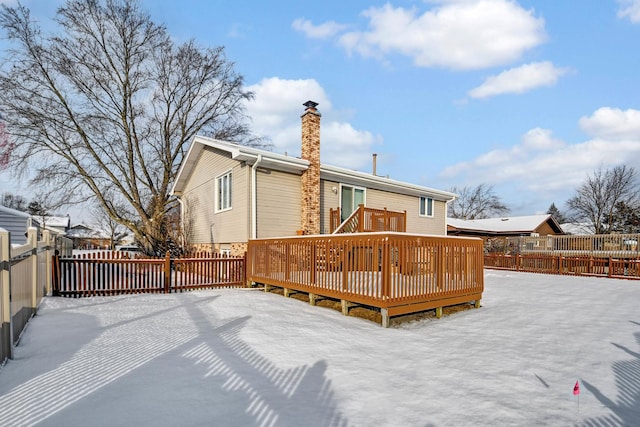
223 192
426 206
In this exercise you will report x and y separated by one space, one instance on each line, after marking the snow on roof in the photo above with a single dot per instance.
82 231
285 163
14 212
54 221
577 228
524 224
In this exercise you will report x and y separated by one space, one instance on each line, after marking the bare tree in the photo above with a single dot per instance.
105 109
105 224
14 201
476 203
596 199
6 146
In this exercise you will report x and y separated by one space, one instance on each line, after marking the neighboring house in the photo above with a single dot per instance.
59 224
17 223
494 230
232 193
85 237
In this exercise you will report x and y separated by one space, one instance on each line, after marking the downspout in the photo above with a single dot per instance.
181 218
254 197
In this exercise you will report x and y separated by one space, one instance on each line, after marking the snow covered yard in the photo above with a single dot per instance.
239 357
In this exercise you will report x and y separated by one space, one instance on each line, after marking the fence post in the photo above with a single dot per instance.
55 274
6 328
47 238
32 236
560 269
245 267
167 273
610 267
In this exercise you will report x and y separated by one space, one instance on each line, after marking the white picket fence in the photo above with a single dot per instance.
25 278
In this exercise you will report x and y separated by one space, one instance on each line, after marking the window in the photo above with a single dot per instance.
426 206
350 199
223 190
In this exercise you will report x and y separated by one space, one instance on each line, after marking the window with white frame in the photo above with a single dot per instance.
223 191
426 206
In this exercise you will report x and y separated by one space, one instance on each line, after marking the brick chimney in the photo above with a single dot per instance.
310 215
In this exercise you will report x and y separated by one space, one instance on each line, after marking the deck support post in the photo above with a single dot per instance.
287 292
312 299
438 312
266 287
345 307
385 317
477 303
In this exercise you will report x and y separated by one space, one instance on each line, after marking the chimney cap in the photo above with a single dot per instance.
310 104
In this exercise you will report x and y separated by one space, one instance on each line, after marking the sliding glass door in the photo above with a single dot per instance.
350 198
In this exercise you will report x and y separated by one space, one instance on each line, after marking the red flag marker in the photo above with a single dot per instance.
576 388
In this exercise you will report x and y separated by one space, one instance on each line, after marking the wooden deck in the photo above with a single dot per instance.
397 273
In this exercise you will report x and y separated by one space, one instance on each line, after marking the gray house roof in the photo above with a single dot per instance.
284 163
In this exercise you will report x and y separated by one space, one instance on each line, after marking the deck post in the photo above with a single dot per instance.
287 292
438 312
345 306
312 299
477 303
385 317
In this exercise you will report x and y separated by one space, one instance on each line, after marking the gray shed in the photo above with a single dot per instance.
16 223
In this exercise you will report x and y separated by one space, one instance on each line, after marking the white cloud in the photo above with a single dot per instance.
613 124
519 80
543 164
453 34
276 112
629 9
322 31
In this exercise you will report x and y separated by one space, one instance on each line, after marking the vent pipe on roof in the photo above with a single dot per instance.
375 158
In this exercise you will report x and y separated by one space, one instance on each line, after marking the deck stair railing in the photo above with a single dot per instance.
368 220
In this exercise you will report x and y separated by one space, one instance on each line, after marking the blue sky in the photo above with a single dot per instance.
527 96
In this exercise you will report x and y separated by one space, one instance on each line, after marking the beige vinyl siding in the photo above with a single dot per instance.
200 197
328 200
379 199
278 204
415 223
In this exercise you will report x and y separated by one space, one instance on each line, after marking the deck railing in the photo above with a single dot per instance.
396 272
112 273
368 220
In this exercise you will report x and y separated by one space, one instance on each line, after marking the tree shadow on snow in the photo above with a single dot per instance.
263 394
626 407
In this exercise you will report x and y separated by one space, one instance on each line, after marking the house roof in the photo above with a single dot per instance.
55 221
82 231
577 228
504 225
285 163
14 212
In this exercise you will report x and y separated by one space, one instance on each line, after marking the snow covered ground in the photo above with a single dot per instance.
238 357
